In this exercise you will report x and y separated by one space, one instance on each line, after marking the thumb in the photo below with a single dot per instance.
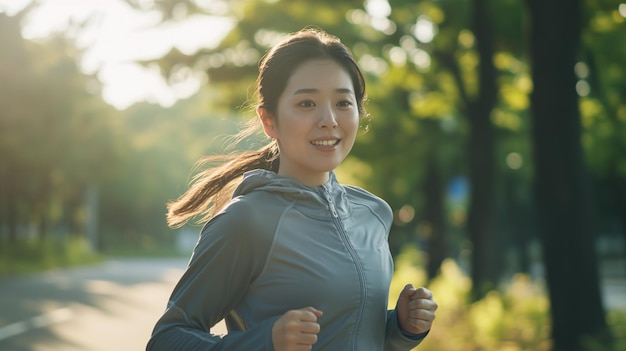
403 304
314 310
408 291
405 296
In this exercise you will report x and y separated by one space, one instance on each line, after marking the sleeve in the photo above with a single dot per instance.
398 340
229 255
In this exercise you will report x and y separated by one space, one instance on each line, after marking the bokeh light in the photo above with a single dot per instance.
514 160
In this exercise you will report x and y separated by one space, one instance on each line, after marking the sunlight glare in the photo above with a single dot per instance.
197 32
379 11
116 35
372 64
357 16
213 6
11 8
420 58
408 43
56 16
424 30
126 83
267 38
397 56
378 8
383 24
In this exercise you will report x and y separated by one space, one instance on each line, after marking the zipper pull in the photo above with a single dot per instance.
331 204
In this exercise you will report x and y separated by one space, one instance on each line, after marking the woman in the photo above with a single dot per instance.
295 260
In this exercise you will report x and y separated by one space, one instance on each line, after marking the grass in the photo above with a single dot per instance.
31 256
152 252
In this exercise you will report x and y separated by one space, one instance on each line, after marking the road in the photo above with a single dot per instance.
111 306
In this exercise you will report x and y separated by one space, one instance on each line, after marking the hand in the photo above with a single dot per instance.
416 309
296 330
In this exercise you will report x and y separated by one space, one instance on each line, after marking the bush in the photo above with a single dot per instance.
27 256
515 319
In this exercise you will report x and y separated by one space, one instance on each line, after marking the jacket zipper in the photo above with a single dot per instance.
331 204
355 258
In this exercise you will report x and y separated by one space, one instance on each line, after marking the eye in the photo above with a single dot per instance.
307 103
344 103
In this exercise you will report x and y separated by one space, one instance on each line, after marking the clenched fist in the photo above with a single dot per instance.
416 309
296 330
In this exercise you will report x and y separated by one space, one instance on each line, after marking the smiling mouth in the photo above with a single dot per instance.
325 142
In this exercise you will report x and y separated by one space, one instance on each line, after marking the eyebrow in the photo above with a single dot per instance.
313 90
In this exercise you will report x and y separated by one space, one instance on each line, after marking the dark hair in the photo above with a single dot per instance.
210 189
280 62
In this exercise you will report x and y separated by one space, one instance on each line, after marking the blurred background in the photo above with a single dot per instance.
497 133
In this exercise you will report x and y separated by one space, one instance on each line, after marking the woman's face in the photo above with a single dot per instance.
316 121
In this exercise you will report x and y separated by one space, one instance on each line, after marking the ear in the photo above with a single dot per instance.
268 122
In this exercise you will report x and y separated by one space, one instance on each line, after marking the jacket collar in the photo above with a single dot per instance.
310 200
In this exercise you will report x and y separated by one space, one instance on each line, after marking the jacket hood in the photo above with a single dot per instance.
314 200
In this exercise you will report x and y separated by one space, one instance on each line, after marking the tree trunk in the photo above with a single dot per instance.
434 214
516 222
560 188
480 224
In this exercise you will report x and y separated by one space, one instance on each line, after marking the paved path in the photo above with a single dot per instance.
112 306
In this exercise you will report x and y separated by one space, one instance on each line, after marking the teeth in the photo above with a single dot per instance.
324 142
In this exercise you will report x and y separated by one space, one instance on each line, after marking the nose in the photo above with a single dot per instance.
327 118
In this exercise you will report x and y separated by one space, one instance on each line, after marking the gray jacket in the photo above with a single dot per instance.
281 245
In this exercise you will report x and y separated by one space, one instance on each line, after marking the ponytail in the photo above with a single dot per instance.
211 189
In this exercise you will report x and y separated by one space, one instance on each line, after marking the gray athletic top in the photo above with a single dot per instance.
281 245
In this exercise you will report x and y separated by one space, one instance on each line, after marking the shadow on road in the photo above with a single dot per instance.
113 305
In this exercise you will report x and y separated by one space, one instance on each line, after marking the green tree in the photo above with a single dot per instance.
561 192
54 134
481 141
603 110
160 147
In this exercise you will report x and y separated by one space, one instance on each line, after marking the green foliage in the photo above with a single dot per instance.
603 111
30 256
617 321
513 318
161 149
59 140
56 135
